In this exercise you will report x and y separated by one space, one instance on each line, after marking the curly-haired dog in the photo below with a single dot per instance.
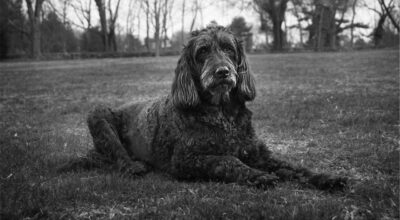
203 129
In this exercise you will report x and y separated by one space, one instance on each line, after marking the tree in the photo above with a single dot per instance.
134 10
92 40
178 38
239 26
101 7
353 10
379 31
146 5
84 14
166 12
60 16
195 11
266 27
242 30
34 15
276 12
156 12
388 9
13 36
183 20
153 13
328 21
83 11
112 20
297 12
132 43
108 25
324 25
56 36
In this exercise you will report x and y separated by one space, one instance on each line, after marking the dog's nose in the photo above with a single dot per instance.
222 71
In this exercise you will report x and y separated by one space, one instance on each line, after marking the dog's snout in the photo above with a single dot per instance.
222 71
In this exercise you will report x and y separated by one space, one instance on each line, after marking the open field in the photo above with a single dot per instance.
334 112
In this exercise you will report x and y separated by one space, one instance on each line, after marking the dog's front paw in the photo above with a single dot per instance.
263 180
328 182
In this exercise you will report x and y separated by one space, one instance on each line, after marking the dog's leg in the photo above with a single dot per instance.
223 168
104 126
90 161
286 171
262 159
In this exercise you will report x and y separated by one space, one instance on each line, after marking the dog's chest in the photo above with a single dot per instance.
219 134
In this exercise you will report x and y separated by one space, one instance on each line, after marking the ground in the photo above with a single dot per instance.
333 112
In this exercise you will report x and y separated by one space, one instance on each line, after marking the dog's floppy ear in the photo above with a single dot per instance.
246 88
184 93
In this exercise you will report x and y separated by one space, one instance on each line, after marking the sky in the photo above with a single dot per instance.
220 11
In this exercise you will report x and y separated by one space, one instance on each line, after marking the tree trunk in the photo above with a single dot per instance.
353 7
147 41
379 31
319 26
103 22
157 34
34 21
164 24
332 29
195 9
278 34
285 34
332 35
276 11
183 22
112 37
387 9
324 26
35 39
112 41
157 26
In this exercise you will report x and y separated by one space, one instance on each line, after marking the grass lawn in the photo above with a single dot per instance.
333 112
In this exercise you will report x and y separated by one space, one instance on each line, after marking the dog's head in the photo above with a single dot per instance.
213 69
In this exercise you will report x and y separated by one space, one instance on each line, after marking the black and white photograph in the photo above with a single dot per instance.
200 109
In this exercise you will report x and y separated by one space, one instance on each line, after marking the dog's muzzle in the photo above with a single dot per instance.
222 72
221 76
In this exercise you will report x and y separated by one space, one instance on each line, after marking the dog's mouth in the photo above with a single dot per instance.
227 83
219 88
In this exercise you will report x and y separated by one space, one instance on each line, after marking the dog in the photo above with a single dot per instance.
202 130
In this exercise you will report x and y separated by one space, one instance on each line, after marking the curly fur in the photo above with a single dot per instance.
203 129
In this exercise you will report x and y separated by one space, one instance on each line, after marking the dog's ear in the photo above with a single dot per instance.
246 88
184 92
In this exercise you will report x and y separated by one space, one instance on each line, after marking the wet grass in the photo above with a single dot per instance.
334 112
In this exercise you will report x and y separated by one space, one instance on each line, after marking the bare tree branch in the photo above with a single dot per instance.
373 9
83 13
388 12
355 25
58 13
17 27
195 9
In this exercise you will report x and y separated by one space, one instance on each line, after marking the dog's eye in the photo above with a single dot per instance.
229 50
202 51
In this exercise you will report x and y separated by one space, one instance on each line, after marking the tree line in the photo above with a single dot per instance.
37 27
324 20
